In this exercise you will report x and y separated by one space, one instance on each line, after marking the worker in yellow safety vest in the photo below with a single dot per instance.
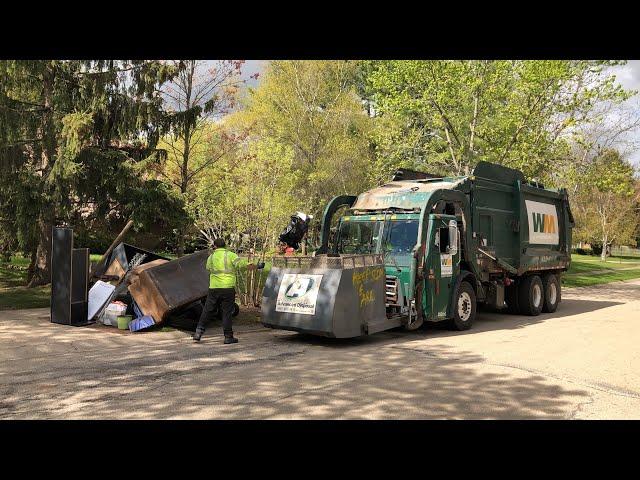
222 265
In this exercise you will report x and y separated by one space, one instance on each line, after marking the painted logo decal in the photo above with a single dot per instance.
543 223
446 265
299 288
298 293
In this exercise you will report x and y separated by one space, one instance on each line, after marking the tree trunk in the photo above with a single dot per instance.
181 234
182 231
41 264
6 255
603 255
453 155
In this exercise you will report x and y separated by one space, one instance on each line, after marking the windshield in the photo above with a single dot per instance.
358 237
400 238
361 237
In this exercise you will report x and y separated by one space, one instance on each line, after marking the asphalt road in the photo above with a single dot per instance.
581 362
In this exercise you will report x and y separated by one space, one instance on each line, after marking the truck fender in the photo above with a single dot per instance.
464 275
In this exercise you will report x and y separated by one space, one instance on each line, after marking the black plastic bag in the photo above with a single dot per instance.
296 230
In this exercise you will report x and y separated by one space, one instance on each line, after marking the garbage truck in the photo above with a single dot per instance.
426 248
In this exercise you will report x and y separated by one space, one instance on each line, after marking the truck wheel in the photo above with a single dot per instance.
511 297
531 295
464 307
419 320
552 292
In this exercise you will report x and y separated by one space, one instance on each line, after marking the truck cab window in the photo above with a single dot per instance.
358 237
400 238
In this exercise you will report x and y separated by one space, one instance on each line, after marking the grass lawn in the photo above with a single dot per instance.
13 293
587 270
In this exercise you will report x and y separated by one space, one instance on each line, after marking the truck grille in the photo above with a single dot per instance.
391 290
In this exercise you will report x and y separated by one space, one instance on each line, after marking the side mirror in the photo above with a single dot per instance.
453 237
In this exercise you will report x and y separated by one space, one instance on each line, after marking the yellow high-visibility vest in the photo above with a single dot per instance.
222 265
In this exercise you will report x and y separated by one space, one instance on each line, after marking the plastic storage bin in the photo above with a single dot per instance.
112 312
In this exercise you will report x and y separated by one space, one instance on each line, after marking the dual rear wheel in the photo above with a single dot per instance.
530 295
534 294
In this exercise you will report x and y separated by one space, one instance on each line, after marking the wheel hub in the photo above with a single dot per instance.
464 306
537 295
553 293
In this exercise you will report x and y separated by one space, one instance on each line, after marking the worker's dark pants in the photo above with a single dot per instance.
218 298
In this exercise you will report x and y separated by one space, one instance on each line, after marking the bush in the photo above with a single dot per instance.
192 242
95 241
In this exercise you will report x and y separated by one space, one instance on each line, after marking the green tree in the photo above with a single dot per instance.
444 116
198 97
605 206
52 111
312 109
247 195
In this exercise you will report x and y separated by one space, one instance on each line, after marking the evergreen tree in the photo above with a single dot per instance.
51 114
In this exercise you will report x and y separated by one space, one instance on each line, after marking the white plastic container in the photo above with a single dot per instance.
111 314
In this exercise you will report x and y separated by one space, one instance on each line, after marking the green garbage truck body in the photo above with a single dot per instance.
447 245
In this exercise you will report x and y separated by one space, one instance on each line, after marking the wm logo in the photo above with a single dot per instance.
544 223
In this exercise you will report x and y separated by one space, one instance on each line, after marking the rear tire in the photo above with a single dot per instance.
552 292
531 295
464 307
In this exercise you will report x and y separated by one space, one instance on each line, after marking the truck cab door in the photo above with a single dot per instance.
443 265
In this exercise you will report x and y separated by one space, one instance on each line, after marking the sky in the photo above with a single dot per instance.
628 75
250 67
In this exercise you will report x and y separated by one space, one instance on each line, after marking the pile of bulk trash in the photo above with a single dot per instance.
130 288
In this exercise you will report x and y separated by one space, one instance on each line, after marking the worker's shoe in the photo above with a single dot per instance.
229 338
197 336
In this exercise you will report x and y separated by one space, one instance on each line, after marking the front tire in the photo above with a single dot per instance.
552 292
531 295
419 320
464 307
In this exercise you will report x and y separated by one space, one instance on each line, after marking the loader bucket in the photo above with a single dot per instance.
332 296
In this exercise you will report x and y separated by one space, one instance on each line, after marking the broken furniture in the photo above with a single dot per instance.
173 291
69 279
153 288
160 288
117 262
